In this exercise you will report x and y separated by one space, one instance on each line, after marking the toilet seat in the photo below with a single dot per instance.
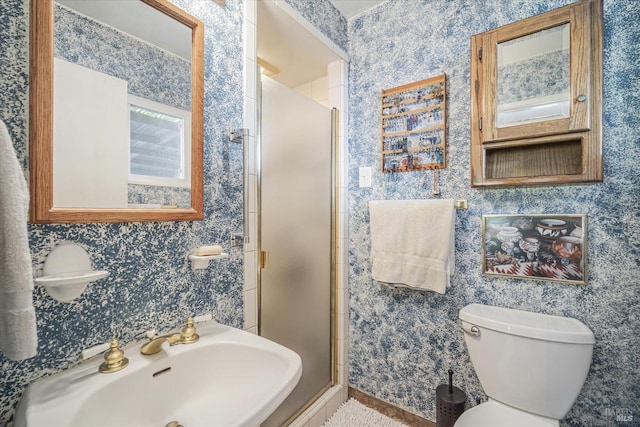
495 414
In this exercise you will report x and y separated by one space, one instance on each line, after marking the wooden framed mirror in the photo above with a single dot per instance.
536 99
107 141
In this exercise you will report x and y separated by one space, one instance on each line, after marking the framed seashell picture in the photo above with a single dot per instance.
540 247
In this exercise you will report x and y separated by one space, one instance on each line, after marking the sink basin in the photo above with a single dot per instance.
228 378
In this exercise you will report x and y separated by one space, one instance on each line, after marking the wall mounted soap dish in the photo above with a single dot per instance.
67 271
201 262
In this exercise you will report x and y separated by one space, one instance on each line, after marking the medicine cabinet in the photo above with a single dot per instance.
536 99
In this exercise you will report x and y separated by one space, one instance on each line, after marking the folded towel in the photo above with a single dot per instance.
412 242
18 339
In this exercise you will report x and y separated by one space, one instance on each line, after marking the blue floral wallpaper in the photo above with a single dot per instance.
141 194
402 342
552 77
151 284
152 73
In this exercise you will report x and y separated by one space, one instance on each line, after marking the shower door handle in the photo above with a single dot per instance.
264 259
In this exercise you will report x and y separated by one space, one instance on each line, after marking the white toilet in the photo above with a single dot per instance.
531 366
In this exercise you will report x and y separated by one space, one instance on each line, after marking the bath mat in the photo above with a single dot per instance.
354 414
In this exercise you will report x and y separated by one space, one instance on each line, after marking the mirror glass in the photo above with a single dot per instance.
533 77
122 106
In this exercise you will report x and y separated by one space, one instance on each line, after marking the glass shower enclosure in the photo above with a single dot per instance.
297 236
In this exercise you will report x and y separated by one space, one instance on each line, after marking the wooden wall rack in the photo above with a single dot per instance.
413 126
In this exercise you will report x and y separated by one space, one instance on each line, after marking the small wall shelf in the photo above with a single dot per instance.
74 278
202 262
67 271
414 126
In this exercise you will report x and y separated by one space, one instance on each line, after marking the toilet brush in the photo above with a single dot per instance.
450 403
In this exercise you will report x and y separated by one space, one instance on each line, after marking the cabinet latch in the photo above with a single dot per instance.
480 54
480 124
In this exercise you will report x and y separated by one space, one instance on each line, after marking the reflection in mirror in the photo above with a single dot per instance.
533 77
116 111
110 151
159 154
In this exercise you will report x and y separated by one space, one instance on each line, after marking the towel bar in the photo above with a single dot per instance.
461 204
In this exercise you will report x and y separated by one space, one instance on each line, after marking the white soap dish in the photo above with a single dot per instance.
67 271
201 262
74 278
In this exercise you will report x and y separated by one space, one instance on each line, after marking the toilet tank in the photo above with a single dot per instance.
531 361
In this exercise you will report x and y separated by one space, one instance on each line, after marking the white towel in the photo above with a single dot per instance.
18 337
412 243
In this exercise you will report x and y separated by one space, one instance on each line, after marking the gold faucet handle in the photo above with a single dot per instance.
114 359
188 334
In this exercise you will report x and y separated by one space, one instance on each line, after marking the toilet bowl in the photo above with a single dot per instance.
532 366
496 414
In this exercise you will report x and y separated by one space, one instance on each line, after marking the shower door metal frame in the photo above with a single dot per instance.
333 250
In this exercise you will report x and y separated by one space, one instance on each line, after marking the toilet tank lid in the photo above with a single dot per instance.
528 324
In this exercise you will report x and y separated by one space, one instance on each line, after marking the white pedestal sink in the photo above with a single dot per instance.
228 378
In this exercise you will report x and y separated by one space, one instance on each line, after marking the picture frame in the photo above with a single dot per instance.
539 247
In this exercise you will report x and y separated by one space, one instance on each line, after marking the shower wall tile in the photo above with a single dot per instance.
320 89
253 195
250 268
253 227
250 76
338 98
250 11
251 123
402 342
250 309
253 151
151 284
250 38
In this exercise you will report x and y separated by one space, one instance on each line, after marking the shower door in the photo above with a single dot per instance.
296 229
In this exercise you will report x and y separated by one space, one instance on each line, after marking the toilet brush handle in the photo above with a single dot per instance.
450 381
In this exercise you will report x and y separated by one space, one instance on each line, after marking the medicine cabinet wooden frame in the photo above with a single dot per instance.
558 151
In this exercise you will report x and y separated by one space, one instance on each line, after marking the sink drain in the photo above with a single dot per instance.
173 424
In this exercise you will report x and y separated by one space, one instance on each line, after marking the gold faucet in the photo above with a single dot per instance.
186 336
114 359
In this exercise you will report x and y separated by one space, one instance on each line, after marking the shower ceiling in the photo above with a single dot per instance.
297 55
289 47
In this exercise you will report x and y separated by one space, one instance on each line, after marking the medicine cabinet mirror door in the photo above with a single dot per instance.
536 99
116 112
